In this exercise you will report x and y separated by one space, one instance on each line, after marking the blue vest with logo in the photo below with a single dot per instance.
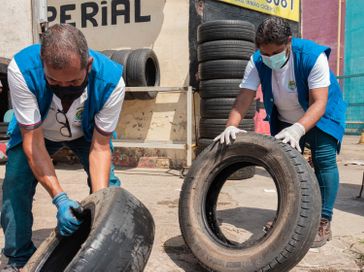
102 80
305 54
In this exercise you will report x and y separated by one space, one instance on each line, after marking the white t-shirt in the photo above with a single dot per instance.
284 85
27 113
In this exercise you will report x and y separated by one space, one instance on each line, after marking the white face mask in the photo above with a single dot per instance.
276 61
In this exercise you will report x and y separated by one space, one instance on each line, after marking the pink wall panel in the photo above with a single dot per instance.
320 23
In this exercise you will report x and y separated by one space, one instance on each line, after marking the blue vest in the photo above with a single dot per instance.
305 54
102 80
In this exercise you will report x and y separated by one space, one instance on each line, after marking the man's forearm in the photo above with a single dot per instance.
42 166
100 163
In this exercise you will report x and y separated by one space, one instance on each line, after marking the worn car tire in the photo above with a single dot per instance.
210 128
297 217
220 69
219 108
108 53
225 30
117 235
142 69
121 57
227 88
225 49
242 173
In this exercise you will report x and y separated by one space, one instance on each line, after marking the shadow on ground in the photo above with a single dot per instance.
251 220
347 200
181 255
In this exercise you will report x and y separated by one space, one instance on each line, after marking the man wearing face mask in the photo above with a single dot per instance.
303 102
63 94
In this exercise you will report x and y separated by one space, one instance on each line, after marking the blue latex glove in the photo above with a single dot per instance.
67 222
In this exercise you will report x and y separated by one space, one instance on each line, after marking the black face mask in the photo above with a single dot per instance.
69 93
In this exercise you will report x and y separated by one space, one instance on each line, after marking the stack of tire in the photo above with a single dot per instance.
141 69
224 49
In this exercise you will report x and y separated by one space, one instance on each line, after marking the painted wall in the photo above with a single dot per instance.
163 118
320 23
15 26
131 23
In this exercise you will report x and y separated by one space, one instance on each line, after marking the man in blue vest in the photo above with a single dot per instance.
63 94
303 102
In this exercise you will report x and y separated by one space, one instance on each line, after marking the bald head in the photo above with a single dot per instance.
63 45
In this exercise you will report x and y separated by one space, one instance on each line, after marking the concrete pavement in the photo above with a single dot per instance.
159 191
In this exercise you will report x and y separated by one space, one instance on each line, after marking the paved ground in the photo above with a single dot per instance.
159 191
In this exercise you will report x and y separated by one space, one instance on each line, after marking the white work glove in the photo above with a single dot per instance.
292 135
230 131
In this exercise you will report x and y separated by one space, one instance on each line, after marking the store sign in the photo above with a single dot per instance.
111 23
288 9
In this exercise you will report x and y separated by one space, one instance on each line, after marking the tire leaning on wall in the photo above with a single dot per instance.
108 53
297 218
142 69
121 57
117 235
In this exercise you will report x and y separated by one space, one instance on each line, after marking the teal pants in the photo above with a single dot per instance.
323 150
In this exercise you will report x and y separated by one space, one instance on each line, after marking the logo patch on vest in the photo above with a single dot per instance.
291 85
78 117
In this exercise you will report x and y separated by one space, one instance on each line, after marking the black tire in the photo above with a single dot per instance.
121 57
3 131
4 62
219 108
210 128
225 49
108 53
219 88
242 173
297 218
142 69
226 30
117 235
220 69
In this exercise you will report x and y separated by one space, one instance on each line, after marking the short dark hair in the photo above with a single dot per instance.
60 42
273 30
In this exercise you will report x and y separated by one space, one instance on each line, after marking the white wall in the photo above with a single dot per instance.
15 26
163 118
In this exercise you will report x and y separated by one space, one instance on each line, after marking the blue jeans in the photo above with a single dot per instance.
323 150
18 191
